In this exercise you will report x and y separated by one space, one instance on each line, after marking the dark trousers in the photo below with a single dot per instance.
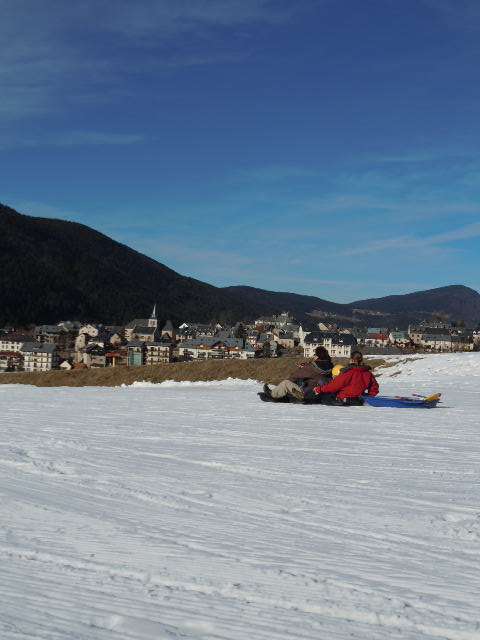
331 399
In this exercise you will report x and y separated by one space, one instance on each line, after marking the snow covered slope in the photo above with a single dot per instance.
196 511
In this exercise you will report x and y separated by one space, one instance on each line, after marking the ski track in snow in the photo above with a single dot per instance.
196 511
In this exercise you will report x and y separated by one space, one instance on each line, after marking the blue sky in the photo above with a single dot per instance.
328 147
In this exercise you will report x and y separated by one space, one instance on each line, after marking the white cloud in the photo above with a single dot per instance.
461 233
171 17
414 243
276 173
72 139
76 138
55 53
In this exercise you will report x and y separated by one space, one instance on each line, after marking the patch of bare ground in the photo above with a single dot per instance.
271 370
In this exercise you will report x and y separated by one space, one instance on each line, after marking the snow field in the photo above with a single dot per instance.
196 511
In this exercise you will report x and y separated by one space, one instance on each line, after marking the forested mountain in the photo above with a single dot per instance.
52 270
454 300
299 305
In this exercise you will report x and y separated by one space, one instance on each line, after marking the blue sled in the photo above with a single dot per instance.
400 402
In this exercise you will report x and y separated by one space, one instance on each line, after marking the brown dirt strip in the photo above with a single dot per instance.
271 370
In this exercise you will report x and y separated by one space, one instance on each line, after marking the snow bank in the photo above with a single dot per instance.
132 515
228 382
447 367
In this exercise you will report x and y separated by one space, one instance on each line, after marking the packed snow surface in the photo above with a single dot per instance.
196 511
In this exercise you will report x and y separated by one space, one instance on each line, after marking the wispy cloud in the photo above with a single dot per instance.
415 243
89 46
73 139
276 173
462 233
179 16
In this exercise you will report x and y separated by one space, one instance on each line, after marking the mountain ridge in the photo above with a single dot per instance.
52 269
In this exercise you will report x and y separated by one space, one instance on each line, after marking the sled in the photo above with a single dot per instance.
396 402
403 402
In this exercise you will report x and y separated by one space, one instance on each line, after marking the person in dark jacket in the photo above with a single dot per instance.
355 381
306 376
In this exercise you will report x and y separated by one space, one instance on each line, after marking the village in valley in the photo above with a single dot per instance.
74 345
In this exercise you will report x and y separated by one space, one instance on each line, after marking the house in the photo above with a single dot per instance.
144 334
135 353
81 342
89 330
11 361
39 357
113 329
436 338
192 331
462 342
399 338
286 339
338 345
168 331
143 329
59 335
376 340
115 339
48 333
206 330
88 336
264 321
268 350
437 324
283 319
262 340
416 335
94 356
382 330
331 327
279 321
186 332
116 357
13 342
292 328
248 352
158 352
208 348
252 337
302 334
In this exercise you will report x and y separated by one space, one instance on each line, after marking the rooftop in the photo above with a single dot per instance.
37 347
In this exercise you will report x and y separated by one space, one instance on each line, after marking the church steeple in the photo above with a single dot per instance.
153 318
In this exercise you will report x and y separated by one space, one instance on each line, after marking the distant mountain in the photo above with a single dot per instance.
456 302
299 305
52 270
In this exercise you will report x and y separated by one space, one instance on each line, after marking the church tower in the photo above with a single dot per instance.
152 322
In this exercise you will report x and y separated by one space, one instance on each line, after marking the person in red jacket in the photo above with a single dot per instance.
354 382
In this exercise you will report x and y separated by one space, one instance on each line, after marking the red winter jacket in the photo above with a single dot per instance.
351 384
